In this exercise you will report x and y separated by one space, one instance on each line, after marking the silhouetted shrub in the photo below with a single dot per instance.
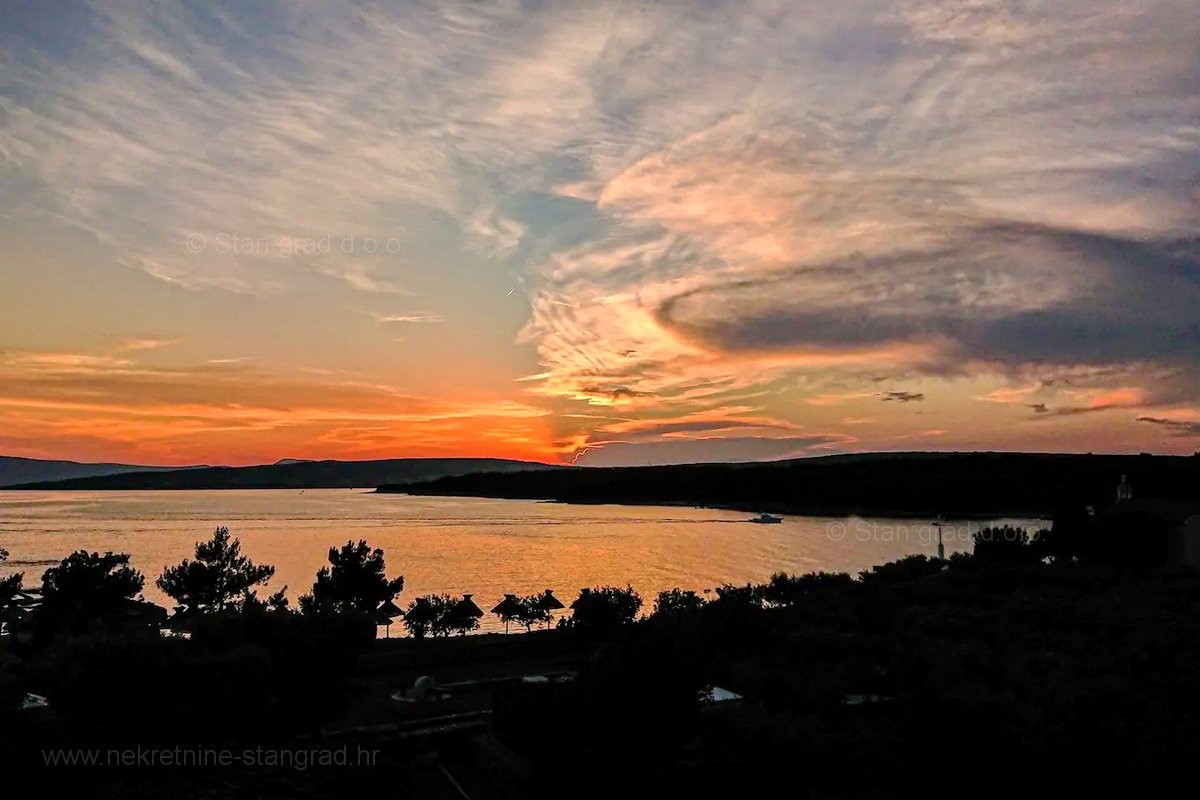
909 568
785 590
88 590
676 601
1004 543
750 595
1126 539
311 656
8 586
605 608
145 686
527 611
575 732
1066 537
219 578
355 580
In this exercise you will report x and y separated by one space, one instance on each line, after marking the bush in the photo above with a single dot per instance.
355 581
605 608
785 590
676 601
311 656
219 578
120 686
1003 544
87 590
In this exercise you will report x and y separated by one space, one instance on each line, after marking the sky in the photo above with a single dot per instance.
598 232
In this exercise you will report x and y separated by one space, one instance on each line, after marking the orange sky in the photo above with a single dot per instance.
667 235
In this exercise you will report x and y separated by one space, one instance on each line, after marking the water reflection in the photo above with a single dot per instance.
459 545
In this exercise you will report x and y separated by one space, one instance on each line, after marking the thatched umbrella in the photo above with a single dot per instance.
549 603
384 615
507 608
467 607
465 610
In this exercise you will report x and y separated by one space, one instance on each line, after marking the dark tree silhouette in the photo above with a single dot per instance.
219 579
8 586
1003 544
676 601
356 581
909 568
749 595
605 608
87 587
431 614
532 610
1066 538
421 614
786 590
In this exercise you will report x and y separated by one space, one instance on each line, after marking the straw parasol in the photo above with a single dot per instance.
463 614
467 607
549 603
507 608
384 615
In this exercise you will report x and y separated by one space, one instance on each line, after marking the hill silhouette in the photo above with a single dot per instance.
15 470
298 475
900 484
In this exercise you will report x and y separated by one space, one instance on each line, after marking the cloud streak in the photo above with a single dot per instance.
763 205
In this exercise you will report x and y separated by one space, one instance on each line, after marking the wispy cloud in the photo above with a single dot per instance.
172 414
145 343
699 203
1176 427
408 318
903 397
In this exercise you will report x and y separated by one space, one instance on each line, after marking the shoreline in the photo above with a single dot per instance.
781 509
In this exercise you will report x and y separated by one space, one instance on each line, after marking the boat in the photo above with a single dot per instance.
766 519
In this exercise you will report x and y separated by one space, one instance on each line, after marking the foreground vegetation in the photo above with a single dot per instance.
1044 656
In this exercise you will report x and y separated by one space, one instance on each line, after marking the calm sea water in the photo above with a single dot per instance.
458 545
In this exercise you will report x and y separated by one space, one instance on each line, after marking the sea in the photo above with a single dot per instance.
462 545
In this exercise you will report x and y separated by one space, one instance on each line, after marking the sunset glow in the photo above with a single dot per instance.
581 234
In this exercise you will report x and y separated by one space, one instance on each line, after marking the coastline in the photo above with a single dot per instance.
770 508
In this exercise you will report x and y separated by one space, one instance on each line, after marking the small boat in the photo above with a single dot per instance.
766 519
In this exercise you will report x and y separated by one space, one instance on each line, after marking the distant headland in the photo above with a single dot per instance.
912 484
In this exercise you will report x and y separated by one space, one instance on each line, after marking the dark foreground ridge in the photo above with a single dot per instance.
297 475
1065 657
974 485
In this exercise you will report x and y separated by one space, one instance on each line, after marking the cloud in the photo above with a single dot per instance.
914 209
226 138
62 362
419 318
721 420
145 343
700 203
1175 427
687 451
96 404
1097 400
926 434
903 397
